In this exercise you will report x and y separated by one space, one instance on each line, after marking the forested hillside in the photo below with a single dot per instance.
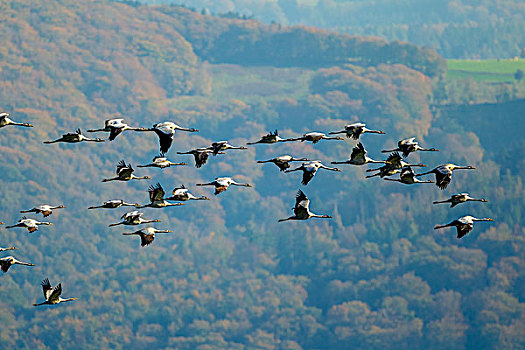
375 276
455 28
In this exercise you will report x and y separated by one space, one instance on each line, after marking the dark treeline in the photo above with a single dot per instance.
455 29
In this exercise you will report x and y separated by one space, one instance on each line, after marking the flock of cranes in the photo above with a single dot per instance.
165 131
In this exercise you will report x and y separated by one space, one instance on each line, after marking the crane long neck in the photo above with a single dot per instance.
441 226
67 299
313 215
462 168
22 124
328 168
186 129
92 140
5 249
373 131
111 179
162 231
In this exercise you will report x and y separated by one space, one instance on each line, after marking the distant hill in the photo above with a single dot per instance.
455 29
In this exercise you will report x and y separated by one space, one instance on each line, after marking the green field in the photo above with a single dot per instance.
485 70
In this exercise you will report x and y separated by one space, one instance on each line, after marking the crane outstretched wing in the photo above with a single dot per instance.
464 229
120 166
301 203
55 294
201 158
156 193
358 152
46 288
395 159
146 239
114 132
443 177
307 176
